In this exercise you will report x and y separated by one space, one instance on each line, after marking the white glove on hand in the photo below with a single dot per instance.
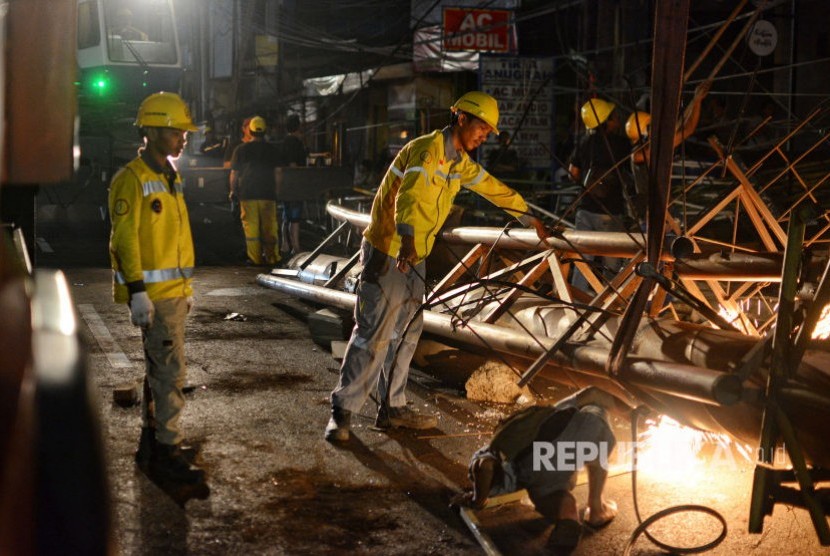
190 303
141 309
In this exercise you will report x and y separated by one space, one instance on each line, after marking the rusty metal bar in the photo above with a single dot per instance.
749 191
789 136
757 221
715 38
560 282
736 41
714 211
494 276
463 266
670 26
807 193
793 163
527 280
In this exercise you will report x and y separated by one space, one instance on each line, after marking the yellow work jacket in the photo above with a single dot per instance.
418 191
151 247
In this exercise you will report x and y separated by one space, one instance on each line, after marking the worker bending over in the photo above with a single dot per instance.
408 211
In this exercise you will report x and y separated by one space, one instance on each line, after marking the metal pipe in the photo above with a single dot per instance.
686 381
741 267
619 244
695 365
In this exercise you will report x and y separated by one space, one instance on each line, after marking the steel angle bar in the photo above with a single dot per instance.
463 267
783 141
320 248
527 280
343 271
499 274
790 165
468 515
715 38
584 318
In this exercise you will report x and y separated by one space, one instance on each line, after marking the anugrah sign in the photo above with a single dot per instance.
522 86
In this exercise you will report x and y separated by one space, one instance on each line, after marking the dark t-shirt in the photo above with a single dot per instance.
292 151
255 163
594 157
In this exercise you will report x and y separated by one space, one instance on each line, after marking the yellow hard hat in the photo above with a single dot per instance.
596 111
636 126
257 125
165 110
481 105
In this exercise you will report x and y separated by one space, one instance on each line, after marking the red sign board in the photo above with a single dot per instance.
480 30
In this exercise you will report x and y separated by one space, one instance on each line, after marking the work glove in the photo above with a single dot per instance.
190 303
141 310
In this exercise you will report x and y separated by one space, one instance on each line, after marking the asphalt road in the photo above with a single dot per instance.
256 409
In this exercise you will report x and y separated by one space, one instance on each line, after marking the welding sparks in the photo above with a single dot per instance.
669 451
822 329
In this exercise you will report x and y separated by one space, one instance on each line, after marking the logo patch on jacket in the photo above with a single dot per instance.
156 206
426 157
121 207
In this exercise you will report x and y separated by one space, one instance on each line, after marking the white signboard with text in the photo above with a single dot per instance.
523 88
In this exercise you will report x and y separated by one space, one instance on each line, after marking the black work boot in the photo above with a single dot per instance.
337 429
146 447
403 417
169 464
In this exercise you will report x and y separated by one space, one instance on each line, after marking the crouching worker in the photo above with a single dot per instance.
523 455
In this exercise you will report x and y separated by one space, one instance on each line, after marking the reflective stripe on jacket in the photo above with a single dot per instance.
418 191
150 240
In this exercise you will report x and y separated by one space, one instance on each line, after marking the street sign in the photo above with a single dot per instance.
478 30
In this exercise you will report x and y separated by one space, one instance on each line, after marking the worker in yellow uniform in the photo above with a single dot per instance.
151 249
253 182
408 211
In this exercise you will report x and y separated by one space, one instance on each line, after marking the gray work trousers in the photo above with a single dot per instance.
165 369
386 302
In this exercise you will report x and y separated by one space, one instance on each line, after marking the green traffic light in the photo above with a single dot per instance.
101 84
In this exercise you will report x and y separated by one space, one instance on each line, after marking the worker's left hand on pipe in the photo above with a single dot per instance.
142 310
406 254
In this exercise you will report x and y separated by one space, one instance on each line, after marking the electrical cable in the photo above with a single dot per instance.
644 524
